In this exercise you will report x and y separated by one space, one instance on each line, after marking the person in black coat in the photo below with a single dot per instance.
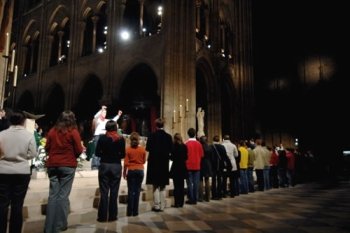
178 171
218 162
159 145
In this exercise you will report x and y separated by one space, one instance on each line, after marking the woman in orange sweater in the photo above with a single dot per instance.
135 158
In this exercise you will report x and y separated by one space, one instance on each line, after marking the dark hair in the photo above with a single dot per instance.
111 125
17 118
178 139
203 140
216 138
226 137
191 132
66 121
134 139
159 123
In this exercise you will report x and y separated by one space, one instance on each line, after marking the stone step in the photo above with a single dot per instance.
84 199
35 223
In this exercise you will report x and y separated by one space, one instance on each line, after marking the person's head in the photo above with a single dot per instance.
66 121
134 139
178 139
203 140
17 118
103 113
2 113
216 138
111 126
258 141
191 132
159 123
226 137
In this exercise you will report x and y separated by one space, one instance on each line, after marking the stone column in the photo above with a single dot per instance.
141 16
198 16
178 87
31 57
94 21
60 35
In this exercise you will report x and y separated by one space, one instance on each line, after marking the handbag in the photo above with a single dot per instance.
225 163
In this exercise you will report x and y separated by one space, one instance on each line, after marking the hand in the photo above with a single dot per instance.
120 112
104 107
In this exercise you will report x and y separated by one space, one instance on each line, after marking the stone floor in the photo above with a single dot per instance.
306 208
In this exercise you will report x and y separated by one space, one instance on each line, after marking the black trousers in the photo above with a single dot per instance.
109 175
13 189
179 191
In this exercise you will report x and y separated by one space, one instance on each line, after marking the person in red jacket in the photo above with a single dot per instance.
63 146
193 164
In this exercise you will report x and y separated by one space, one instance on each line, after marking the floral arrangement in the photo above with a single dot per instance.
39 162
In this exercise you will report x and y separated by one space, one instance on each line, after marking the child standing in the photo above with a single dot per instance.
135 158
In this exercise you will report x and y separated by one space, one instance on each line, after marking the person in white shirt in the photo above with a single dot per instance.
232 153
99 124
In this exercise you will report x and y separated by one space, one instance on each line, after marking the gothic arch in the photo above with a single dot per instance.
58 16
30 31
141 102
26 101
88 97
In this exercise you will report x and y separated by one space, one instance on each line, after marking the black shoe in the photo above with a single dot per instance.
191 202
101 220
156 210
112 219
64 228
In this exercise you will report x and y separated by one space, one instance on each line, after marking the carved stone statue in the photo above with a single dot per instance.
200 121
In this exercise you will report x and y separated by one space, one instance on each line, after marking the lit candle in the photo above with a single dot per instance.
12 60
180 111
15 76
187 108
7 44
174 117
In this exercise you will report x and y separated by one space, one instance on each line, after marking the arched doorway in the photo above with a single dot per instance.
26 102
88 104
139 100
88 99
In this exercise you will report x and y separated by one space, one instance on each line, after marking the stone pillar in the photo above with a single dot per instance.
60 35
141 16
81 28
178 88
49 49
31 57
198 15
94 21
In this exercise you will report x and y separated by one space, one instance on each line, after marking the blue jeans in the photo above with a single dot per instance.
192 186
61 181
134 179
13 189
109 175
244 181
267 184
95 161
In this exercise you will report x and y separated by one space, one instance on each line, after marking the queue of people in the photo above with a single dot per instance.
213 171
